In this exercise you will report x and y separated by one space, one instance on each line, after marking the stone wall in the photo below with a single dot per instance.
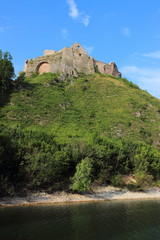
110 68
49 52
70 61
32 65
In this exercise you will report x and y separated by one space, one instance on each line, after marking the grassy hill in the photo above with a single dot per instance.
85 106
81 115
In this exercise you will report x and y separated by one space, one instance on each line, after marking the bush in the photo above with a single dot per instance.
6 187
118 181
143 180
82 178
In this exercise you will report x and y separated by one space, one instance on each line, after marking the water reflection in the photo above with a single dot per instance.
127 220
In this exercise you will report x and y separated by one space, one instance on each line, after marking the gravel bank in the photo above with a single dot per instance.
99 194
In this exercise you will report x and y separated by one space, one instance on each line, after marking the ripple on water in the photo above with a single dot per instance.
117 220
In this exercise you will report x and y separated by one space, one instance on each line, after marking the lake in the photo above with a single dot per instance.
116 220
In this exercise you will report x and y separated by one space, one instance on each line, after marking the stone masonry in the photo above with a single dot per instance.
69 61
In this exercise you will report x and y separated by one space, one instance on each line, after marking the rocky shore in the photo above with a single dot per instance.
99 194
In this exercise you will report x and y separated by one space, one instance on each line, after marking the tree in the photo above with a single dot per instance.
6 71
82 178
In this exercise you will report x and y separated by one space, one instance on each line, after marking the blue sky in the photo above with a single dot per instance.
124 31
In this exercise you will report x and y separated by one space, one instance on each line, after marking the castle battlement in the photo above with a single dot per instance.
70 61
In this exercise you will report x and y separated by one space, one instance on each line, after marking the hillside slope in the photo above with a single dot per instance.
66 135
95 104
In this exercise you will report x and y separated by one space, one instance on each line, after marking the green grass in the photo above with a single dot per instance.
82 107
48 127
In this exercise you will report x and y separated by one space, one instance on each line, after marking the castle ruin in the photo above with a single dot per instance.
69 61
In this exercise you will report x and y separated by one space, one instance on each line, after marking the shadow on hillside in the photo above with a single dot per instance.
24 86
5 97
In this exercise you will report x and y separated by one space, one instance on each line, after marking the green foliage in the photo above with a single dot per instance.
48 126
32 158
45 168
6 71
142 181
9 163
6 188
86 106
82 178
146 159
118 181
144 133
20 80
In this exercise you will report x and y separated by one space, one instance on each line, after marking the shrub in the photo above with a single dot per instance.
118 181
143 180
82 178
6 187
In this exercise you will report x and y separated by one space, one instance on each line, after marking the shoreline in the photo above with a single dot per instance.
99 194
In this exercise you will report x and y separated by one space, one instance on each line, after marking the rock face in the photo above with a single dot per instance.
69 61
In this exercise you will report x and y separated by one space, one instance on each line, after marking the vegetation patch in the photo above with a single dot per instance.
69 134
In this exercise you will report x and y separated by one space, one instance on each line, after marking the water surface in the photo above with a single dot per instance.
118 220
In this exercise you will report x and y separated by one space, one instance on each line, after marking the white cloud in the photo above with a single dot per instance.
85 19
1 29
155 54
73 11
145 72
65 33
76 14
146 78
126 31
89 49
